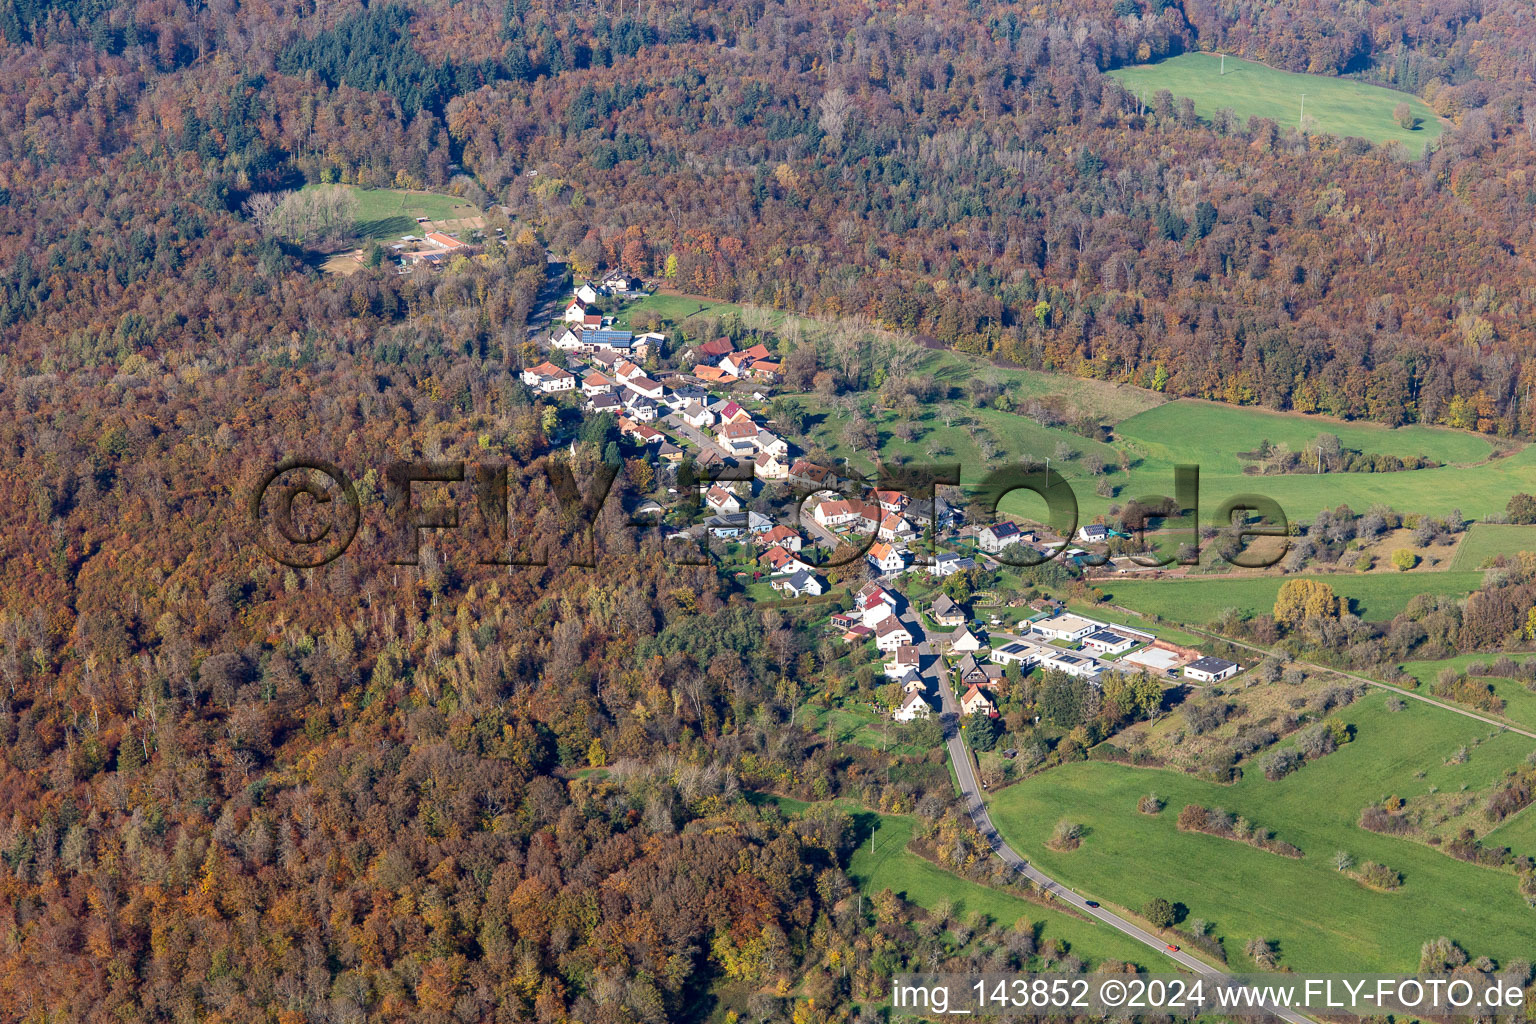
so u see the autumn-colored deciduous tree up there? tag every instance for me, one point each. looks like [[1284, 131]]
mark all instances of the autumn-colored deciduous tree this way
[[1300, 600]]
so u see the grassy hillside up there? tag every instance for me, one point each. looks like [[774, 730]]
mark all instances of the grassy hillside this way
[[1376, 597], [388, 213], [1485, 540], [1155, 434], [1336, 106], [1519, 703], [1210, 435], [1320, 918], [890, 866]]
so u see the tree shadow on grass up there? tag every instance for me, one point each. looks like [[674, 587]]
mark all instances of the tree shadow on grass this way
[[386, 227]]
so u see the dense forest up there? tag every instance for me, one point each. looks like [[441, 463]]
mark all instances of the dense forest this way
[[958, 170], [235, 792]]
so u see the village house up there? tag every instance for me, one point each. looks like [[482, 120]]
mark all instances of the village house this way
[[994, 538], [891, 634], [771, 443], [596, 383], [588, 293], [840, 512], [886, 558], [575, 312], [768, 466], [625, 370], [912, 708], [670, 453], [549, 378], [696, 416], [644, 386], [976, 701], [618, 282], [801, 584], [1069, 628], [714, 375], [809, 474], [640, 432], [1079, 665], [1026, 656], [947, 563], [606, 340], [1093, 533], [874, 602], [946, 612], [639, 407], [567, 339], [711, 352], [604, 403], [783, 536], [963, 641], [1108, 641], [857, 633], [731, 412], [905, 662], [682, 396], [1210, 670], [721, 500], [971, 672], [736, 363], [895, 502], [780, 562], [739, 438], [894, 528]]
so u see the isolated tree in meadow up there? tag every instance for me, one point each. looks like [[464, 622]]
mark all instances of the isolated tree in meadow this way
[[1404, 559], [1521, 509], [1403, 115], [1300, 600]]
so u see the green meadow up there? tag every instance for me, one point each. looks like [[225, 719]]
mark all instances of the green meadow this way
[[1519, 703], [889, 865], [1319, 918], [1154, 435], [1202, 599], [388, 213], [1209, 435], [1335, 106], [1485, 541], [1157, 436], [1518, 833]]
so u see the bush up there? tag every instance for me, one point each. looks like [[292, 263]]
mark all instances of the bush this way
[[1379, 876], [1193, 818], [1521, 510], [1150, 804], [1068, 835], [1280, 764], [1379, 819], [1404, 559]]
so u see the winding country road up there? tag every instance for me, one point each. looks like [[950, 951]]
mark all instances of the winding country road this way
[[970, 789]]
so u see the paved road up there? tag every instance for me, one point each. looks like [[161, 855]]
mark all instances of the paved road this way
[[701, 440], [970, 789]]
